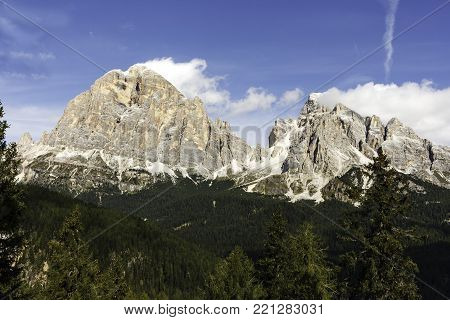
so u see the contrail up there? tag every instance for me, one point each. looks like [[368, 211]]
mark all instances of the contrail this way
[[388, 36]]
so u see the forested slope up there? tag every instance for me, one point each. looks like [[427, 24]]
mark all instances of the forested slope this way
[[171, 244]]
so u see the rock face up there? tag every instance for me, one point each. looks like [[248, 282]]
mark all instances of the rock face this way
[[132, 128], [324, 143], [129, 129]]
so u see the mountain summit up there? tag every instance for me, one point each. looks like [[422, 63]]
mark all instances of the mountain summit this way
[[132, 128], [128, 129], [324, 143]]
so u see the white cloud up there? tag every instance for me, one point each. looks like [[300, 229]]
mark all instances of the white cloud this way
[[128, 26], [290, 97], [418, 105], [192, 80], [388, 35], [255, 99], [6, 76]]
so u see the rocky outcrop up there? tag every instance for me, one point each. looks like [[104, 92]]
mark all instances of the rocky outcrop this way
[[132, 128], [324, 143], [129, 129]]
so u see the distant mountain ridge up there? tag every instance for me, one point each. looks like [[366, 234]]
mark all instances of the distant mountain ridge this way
[[133, 128], [323, 143]]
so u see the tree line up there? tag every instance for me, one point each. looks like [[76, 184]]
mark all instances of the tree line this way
[[294, 265], [373, 264]]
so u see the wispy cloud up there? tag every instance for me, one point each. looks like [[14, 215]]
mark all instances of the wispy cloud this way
[[23, 55], [388, 36], [127, 26]]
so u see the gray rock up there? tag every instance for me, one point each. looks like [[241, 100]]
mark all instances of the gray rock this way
[[325, 143], [133, 128], [128, 130]]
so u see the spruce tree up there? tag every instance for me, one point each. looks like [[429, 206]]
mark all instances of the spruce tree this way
[[71, 272], [113, 281], [376, 266], [11, 209], [307, 272], [271, 265], [234, 279], [295, 266]]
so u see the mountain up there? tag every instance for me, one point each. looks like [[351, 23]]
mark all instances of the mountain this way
[[133, 134], [324, 143], [133, 128], [128, 130]]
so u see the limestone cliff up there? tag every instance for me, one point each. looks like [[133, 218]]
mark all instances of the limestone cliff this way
[[132, 128], [324, 143], [129, 129]]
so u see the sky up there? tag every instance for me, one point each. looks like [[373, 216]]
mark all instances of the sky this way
[[250, 61]]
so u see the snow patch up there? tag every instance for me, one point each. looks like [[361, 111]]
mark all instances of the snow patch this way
[[235, 167], [158, 167]]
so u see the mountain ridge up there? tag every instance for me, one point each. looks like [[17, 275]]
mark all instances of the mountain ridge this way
[[326, 142], [133, 128]]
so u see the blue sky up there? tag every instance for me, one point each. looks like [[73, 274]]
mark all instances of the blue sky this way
[[274, 46]]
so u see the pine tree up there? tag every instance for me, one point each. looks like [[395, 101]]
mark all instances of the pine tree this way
[[11, 209], [72, 272], [271, 265], [308, 274], [234, 278], [114, 285], [295, 266], [376, 266]]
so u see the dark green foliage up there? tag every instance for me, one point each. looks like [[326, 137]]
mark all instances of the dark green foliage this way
[[10, 214], [312, 277], [155, 263], [241, 218], [295, 266], [71, 272], [113, 280], [164, 262], [221, 217], [433, 260], [376, 266], [234, 279], [273, 266]]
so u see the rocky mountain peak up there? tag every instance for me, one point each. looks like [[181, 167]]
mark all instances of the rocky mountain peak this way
[[396, 129], [340, 108], [25, 139], [324, 143], [222, 125], [312, 105], [133, 127], [129, 128]]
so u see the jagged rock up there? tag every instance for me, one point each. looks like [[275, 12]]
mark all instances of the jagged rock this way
[[325, 143], [25, 141], [132, 128], [374, 134], [129, 129]]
